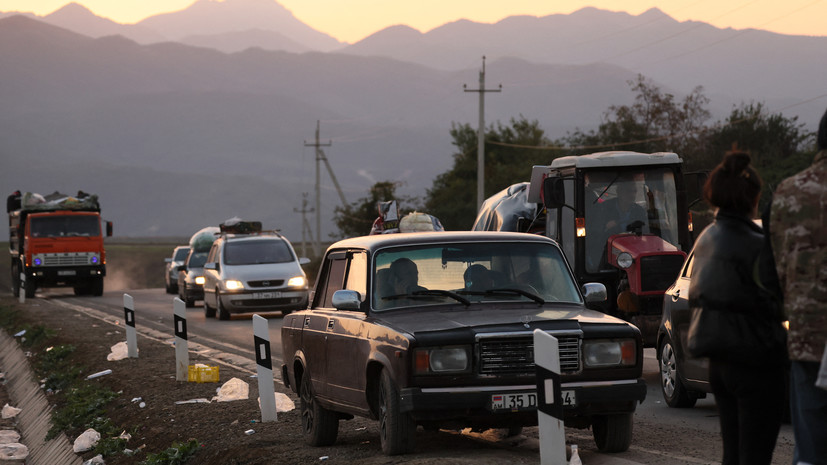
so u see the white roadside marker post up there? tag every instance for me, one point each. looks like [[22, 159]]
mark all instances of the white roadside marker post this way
[[264, 369], [182, 356], [22, 296], [129, 323], [549, 399]]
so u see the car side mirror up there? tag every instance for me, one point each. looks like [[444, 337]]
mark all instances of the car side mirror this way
[[167, 260], [554, 195], [109, 229], [346, 299], [211, 266], [304, 261], [594, 293]]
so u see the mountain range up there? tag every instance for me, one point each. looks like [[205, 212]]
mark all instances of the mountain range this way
[[189, 118]]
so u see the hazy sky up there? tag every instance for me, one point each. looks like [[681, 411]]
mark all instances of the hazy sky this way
[[353, 20]]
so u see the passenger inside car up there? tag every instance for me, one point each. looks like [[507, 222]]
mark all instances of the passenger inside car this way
[[404, 276], [478, 278]]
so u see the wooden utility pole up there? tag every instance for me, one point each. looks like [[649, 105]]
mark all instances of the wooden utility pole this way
[[320, 157], [307, 233], [481, 135]]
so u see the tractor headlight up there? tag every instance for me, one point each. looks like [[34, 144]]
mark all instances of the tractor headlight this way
[[625, 260]]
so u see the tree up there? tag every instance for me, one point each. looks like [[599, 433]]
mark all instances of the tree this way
[[779, 146], [510, 152], [655, 122], [357, 218]]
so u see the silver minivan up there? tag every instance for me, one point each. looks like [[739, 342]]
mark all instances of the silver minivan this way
[[257, 272]]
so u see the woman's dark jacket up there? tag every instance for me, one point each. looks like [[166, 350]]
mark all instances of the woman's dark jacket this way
[[728, 274]]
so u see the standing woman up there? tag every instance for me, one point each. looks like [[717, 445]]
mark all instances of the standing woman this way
[[747, 354]]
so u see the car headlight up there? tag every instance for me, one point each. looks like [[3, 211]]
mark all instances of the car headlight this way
[[442, 360], [625, 260], [199, 280], [296, 281], [233, 285], [604, 353]]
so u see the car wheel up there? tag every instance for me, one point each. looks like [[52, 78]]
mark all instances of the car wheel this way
[[320, 426], [674, 392], [96, 286], [29, 287], [209, 312], [396, 429], [223, 314], [612, 433]]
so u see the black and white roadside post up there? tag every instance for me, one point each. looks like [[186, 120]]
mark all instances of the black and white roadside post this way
[[264, 369], [22, 296], [129, 322], [549, 399], [182, 356]]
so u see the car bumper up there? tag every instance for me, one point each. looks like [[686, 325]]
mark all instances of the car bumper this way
[[592, 398], [264, 300]]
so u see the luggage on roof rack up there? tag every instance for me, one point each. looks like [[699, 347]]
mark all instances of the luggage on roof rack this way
[[240, 227]]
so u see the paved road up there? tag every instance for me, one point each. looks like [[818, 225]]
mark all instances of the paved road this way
[[662, 434]]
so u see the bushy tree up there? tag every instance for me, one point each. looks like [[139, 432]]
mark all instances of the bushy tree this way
[[510, 152]]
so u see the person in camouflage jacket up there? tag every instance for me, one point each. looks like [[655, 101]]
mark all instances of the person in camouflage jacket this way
[[799, 239]]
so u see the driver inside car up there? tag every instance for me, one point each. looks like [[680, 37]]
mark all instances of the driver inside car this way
[[404, 277], [478, 278]]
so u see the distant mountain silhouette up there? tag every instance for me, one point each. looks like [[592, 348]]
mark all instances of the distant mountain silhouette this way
[[208, 17], [78, 18]]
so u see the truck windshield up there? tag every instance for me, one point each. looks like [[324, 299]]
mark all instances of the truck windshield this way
[[65, 226], [642, 200], [256, 252], [466, 273]]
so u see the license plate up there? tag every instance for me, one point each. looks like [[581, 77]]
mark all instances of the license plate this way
[[524, 401], [65, 272], [266, 295]]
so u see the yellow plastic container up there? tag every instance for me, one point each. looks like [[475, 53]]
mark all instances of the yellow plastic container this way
[[202, 373]]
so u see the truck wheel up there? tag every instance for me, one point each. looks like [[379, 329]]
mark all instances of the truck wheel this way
[[15, 280], [96, 287], [674, 392], [209, 312], [320, 426], [397, 430], [613, 433], [223, 314], [31, 286]]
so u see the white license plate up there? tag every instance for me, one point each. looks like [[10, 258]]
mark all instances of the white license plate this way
[[526, 401], [523, 401], [66, 272], [266, 295]]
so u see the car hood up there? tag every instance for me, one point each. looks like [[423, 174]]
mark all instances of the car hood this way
[[420, 320], [263, 271]]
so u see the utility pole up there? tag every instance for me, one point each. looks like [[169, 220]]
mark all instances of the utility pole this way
[[481, 135], [307, 233], [320, 157]]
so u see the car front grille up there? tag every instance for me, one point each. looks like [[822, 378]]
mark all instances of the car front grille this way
[[266, 283], [66, 259], [267, 302], [658, 272], [515, 355]]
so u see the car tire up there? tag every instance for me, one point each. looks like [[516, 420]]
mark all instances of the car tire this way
[[209, 312], [320, 426], [29, 287], [613, 433], [397, 430], [674, 392], [223, 314], [96, 286]]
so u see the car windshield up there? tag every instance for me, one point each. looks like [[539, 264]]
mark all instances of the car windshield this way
[[467, 273], [63, 226], [257, 252], [642, 200], [197, 260], [180, 254]]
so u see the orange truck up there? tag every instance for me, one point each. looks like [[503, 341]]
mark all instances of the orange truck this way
[[56, 241]]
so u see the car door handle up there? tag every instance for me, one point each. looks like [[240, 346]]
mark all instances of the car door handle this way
[[676, 295], [331, 324], [307, 322]]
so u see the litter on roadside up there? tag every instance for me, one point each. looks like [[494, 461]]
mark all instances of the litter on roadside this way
[[13, 451], [120, 351], [200, 373], [96, 460], [234, 389], [9, 411], [20, 333], [283, 403], [86, 441], [193, 401], [9, 436], [99, 374]]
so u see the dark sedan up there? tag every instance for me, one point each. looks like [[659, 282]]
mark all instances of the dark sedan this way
[[436, 329]]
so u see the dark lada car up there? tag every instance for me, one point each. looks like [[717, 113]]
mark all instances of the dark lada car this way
[[436, 329]]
